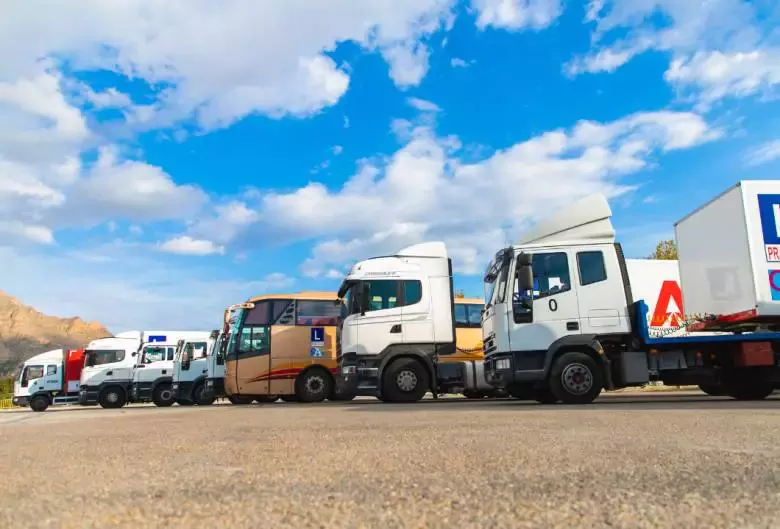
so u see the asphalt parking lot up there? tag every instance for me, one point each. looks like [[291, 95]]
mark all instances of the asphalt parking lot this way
[[666, 460]]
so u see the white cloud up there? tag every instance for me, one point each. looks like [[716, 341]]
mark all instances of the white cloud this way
[[421, 191], [714, 44], [110, 98], [186, 245], [17, 231], [216, 61], [422, 105], [764, 153], [716, 75], [336, 150], [127, 289], [457, 62], [517, 14]]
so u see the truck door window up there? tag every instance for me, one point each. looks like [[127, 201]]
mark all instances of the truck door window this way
[[551, 274], [31, 373], [591, 267], [382, 294], [51, 370], [412, 292], [199, 350], [153, 354]]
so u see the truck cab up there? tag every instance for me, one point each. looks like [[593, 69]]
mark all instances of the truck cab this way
[[190, 370], [48, 378], [154, 369], [215, 368], [108, 369], [399, 319]]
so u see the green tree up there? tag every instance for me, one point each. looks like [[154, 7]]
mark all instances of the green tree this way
[[665, 250]]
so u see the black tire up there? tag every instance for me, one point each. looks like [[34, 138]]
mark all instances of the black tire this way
[[112, 397], [39, 403], [747, 389], [266, 399], [182, 402], [545, 396], [239, 401], [575, 378], [163, 396], [202, 397], [313, 385], [713, 390], [405, 380], [473, 394]]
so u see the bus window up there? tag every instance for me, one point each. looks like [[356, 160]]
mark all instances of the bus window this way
[[475, 315], [461, 315], [320, 313], [284, 312], [254, 340]]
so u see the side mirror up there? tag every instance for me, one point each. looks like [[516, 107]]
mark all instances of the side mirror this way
[[524, 259], [363, 294], [525, 278], [220, 359]]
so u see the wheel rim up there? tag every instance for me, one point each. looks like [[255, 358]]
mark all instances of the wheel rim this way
[[577, 379], [166, 394], [113, 398], [406, 380], [314, 384]]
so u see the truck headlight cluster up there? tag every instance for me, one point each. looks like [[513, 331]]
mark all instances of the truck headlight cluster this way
[[502, 363]]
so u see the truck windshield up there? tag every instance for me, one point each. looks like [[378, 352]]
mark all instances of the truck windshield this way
[[496, 275], [96, 357]]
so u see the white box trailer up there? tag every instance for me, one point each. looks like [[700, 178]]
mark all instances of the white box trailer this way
[[729, 255]]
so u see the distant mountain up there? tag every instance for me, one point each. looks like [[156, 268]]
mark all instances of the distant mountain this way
[[25, 332]]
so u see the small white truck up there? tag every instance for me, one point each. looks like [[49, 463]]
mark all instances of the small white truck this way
[[48, 379], [134, 366]]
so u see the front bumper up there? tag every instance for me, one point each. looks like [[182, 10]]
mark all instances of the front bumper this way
[[88, 395], [499, 370], [21, 401], [182, 390], [358, 376]]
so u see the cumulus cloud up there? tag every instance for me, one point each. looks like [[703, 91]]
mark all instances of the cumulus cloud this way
[[426, 190], [517, 14], [186, 245], [718, 48]]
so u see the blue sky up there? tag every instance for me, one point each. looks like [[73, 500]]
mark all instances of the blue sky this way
[[160, 160]]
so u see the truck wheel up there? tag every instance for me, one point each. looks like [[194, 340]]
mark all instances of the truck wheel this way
[[234, 399], [112, 398], [163, 396], [203, 397], [747, 389], [314, 385], [545, 396], [575, 379], [39, 403], [713, 390], [404, 380]]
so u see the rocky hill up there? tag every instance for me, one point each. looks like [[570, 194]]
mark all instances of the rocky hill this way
[[25, 332]]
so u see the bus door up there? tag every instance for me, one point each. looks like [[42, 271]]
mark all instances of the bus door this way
[[253, 351]]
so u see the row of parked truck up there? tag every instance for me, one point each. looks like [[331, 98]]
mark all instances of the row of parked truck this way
[[565, 316]]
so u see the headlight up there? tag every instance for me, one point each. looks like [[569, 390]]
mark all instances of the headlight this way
[[502, 363], [175, 386], [349, 370], [209, 383]]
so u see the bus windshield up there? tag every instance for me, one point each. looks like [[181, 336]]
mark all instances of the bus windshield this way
[[234, 323]]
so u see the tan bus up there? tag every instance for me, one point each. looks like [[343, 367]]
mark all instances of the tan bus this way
[[283, 346]]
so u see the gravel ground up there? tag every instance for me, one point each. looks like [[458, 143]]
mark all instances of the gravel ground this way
[[626, 461]]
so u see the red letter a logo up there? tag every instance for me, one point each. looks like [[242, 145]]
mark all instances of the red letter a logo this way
[[670, 291]]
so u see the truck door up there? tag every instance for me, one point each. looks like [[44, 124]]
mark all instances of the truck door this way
[[153, 364], [537, 319], [600, 292]]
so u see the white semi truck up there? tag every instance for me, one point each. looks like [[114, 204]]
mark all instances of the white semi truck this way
[[373, 336], [561, 321], [134, 366], [191, 371]]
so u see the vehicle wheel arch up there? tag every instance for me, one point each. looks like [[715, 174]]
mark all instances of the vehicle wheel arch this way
[[577, 343], [318, 368], [414, 354]]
